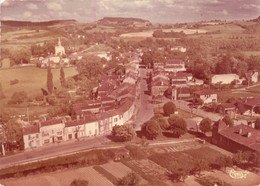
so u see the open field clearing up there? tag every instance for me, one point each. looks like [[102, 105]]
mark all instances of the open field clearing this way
[[31, 79], [60, 178], [150, 33]]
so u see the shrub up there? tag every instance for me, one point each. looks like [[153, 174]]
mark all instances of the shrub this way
[[169, 108], [129, 180], [177, 125]]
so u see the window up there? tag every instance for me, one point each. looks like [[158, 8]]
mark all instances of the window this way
[[59, 133], [29, 137], [90, 132], [115, 120], [47, 141], [37, 135]]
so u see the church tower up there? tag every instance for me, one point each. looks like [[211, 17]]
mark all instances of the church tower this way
[[59, 49]]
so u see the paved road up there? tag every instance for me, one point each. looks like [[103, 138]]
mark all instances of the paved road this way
[[52, 150], [145, 111]]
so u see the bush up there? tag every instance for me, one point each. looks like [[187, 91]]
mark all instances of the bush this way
[[13, 82], [169, 108], [129, 180]]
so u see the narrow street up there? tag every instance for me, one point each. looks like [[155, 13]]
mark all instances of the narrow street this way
[[145, 107]]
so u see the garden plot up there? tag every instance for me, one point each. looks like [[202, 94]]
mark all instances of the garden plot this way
[[151, 169], [118, 169]]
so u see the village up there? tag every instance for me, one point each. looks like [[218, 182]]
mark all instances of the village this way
[[165, 109]]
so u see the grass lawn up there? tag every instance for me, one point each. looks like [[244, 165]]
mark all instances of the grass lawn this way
[[31, 79]]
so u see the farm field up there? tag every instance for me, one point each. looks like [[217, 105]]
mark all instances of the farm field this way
[[223, 96], [150, 33], [31, 79]]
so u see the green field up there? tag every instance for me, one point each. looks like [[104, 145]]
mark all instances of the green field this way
[[31, 79]]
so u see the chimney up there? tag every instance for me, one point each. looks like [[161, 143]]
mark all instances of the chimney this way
[[249, 134], [240, 131]]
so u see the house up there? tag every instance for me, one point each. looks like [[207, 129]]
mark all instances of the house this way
[[207, 95], [248, 106], [52, 130], [174, 66], [252, 75], [159, 86], [235, 138], [227, 109], [31, 137], [225, 78]]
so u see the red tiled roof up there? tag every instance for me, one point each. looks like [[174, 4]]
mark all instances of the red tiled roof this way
[[252, 141], [227, 105], [31, 130], [51, 122], [204, 92]]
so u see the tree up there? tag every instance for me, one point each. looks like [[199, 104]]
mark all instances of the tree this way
[[177, 125], [129, 180], [21, 56], [2, 96], [229, 122], [18, 97], [79, 182], [13, 133], [169, 108], [205, 125], [71, 83], [90, 66], [124, 132], [49, 80], [151, 129], [224, 66], [62, 78]]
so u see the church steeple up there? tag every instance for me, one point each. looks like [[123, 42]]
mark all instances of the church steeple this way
[[59, 43]]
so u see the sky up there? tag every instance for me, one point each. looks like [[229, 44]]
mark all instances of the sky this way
[[157, 11]]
